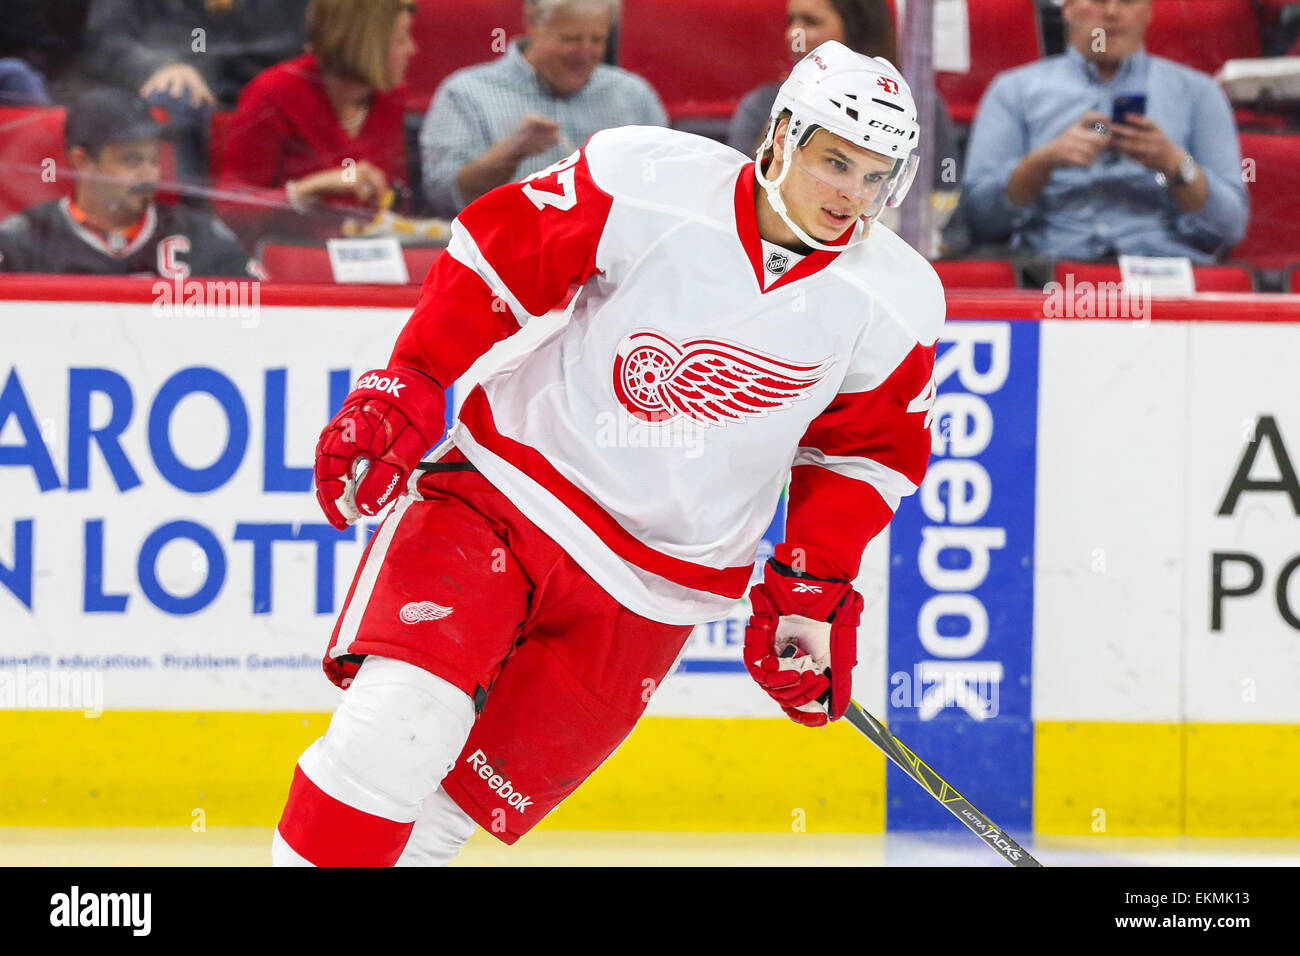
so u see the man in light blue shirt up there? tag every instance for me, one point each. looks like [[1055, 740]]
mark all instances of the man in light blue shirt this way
[[496, 123], [1048, 167]]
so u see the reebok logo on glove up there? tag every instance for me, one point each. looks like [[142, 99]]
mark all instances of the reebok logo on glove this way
[[380, 383]]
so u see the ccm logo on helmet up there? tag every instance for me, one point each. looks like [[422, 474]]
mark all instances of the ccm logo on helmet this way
[[497, 783], [885, 127], [381, 383]]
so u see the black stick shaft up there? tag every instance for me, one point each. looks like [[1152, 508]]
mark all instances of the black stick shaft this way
[[916, 768]]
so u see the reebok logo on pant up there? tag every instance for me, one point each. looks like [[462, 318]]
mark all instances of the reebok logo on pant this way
[[496, 783]]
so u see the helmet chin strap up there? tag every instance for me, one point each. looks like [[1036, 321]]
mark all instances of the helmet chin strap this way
[[777, 201]]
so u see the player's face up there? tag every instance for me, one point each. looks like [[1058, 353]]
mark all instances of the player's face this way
[[566, 49], [124, 177], [833, 182], [1107, 31], [401, 49], [809, 24]]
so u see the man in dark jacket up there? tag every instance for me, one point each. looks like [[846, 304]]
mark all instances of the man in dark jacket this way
[[111, 225]]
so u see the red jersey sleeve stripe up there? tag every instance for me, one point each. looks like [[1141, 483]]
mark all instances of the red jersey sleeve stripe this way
[[476, 415]]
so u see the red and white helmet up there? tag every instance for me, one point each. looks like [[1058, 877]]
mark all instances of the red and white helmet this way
[[863, 99]]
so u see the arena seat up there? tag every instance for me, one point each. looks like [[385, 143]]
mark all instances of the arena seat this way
[[29, 135], [451, 37], [976, 274], [218, 133], [702, 56], [1003, 35], [1204, 33], [1225, 278], [311, 264], [1273, 235]]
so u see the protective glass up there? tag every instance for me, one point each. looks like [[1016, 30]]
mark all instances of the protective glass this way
[[878, 187]]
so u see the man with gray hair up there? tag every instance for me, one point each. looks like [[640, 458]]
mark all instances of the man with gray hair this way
[[497, 122]]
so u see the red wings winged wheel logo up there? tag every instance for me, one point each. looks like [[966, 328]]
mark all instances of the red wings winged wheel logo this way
[[709, 380]]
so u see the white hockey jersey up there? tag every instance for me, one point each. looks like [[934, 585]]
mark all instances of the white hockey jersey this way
[[652, 434]]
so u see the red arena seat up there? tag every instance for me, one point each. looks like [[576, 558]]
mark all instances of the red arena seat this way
[[451, 37], [218, 132], [976, 274], [1270, 163], [1003, 35], [702, 57], [29, 136], [1227, 278], [1204, 33]]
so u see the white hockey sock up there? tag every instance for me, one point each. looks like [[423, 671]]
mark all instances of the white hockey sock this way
[[439, 833]]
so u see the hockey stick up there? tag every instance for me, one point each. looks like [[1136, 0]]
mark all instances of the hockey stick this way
[[918, 770]]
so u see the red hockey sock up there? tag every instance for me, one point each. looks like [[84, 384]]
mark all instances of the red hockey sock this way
[[328, 832]]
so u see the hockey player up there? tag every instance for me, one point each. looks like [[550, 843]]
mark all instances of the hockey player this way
[[533, 581], [111, 224]]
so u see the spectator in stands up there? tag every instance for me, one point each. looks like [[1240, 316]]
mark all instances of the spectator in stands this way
[[111, 225], [21, 84], [497, 122], [1048, 167], [319, 138], [866, 26], [189, 56]]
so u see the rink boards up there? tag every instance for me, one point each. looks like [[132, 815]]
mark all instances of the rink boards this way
[[1087, 620]]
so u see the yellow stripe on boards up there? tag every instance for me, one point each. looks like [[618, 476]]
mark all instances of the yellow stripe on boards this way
[[1131, 779], [158, 768], [1243, 780], [674, 774], [1119, 779], [702, 774], [138, 768]]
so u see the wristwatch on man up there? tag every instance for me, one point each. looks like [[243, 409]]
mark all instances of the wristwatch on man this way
[[1184, 173]]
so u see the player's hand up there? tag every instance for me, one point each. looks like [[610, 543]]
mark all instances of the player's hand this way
[[365, 181], [181, 81], [1141, 139], [364, 456], [535, 134], [1081, 144], [801, 644]]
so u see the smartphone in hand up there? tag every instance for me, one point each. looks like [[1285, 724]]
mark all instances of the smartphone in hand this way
[[1126, 104]]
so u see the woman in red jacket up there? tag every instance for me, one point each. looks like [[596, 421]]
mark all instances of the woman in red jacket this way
[[319, 137]]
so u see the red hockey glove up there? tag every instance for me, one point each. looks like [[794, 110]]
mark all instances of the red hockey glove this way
[[802, 642], [364, 456]]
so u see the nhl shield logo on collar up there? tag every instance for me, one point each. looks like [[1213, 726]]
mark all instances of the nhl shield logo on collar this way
[[777, 263]]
